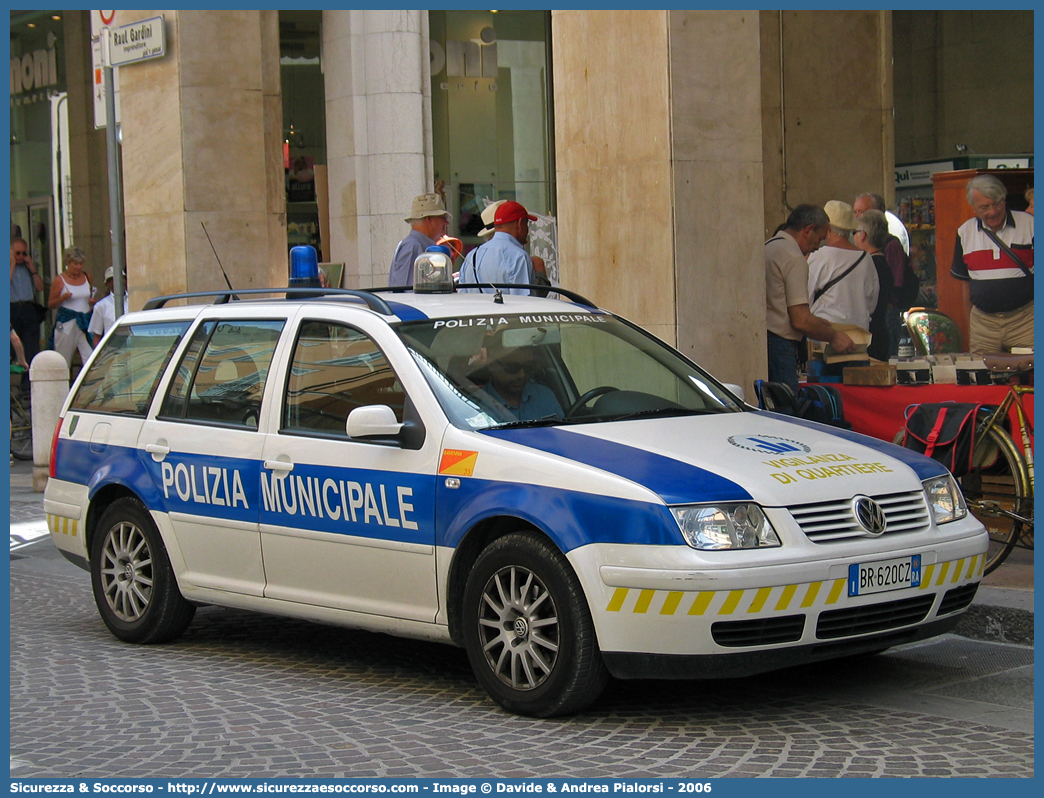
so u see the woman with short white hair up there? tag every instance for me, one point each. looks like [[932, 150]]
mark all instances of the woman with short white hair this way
[[72, 294]]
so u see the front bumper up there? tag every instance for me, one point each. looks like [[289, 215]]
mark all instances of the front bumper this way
[[657, 619], [631, 665]]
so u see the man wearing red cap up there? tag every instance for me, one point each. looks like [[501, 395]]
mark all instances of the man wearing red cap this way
[[503, 258]]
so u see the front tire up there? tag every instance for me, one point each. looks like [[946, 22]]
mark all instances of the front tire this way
[[134, 586], [528, 630]]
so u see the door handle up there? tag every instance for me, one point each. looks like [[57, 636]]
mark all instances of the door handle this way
[[279, 465], [157, 450]]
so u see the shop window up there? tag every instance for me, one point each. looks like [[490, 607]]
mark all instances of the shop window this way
[[304, 123], [491, 111]]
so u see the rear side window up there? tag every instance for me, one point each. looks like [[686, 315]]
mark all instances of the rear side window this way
[[123, 377], [222, 375], [335, 370]]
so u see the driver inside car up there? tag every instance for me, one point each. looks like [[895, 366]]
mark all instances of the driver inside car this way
[[511, 384]]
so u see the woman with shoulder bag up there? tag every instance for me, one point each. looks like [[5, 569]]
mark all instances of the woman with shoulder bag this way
[[73, 295]]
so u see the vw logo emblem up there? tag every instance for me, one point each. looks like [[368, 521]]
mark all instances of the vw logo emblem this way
[[521, 627], [869, 515]]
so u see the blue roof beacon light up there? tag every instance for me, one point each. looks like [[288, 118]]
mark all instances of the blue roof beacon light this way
[[433, 271], [304, 267], [304, 271]]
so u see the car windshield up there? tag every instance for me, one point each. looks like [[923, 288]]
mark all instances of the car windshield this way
[[569, 368]]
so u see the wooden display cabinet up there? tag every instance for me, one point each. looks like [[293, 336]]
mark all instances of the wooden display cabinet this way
[[952, 210]]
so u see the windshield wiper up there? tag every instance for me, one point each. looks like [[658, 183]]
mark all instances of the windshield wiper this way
[[546, 421], [661, 412]]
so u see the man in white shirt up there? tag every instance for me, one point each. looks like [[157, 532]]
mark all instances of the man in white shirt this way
[[842, 278], [104, 315]]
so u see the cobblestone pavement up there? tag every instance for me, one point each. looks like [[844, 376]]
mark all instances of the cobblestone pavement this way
[[248, 695]]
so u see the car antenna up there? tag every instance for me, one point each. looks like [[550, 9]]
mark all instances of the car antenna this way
[[223, 274]]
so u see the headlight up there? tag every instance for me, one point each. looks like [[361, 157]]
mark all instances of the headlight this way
[[945, 499], [725, 526]]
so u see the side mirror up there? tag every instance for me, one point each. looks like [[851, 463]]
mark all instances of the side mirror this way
[[373, 421], [736, 390]]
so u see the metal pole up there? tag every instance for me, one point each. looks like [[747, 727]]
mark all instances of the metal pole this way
[[111, 148]]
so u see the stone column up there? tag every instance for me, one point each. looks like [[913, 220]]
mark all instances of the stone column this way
[[202, 143], [378, 121], [828, 109], [658, 149], [613, 156], [718, 205]]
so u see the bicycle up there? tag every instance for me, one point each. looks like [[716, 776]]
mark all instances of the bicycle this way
[[998, 487], [21, 419]]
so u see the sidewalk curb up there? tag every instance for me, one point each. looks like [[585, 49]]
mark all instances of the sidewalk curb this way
[[1000, 615]]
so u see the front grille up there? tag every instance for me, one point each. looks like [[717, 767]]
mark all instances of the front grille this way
[[825, 522], [760, 632], [873, 617], [957, 599]]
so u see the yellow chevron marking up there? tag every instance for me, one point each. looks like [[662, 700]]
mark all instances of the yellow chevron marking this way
[[759, 599], [731, 602], [786, 597], [835, 591], [700, 603], [810, 594], [942, 573], [616, 602], [644, 599], [971, 566], [670, 604], [62, 525], [926, 577]]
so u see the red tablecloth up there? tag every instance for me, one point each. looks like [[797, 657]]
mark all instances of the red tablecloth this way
[[879, 412]]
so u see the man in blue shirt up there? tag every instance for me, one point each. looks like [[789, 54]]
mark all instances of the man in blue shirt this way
[[502, 259], [511, 386], [25, 282], [429, 220]]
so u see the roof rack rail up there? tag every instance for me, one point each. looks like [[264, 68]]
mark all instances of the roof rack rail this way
[[580, 299], [223, 295]]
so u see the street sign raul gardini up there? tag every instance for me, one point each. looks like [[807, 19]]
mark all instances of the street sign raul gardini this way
[[138, 41]]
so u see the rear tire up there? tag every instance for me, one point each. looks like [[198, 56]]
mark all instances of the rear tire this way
[[134, 586], [528, 630]]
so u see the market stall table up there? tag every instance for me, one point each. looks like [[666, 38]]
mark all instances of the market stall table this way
[[879, 411]]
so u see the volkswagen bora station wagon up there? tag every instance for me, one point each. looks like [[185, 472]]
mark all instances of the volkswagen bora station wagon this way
[[536, 480]]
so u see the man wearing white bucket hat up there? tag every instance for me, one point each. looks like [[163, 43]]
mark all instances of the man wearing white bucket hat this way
[[429, 220], [842, 278]]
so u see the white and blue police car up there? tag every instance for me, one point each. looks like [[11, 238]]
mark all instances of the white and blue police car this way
[[536, 480]]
